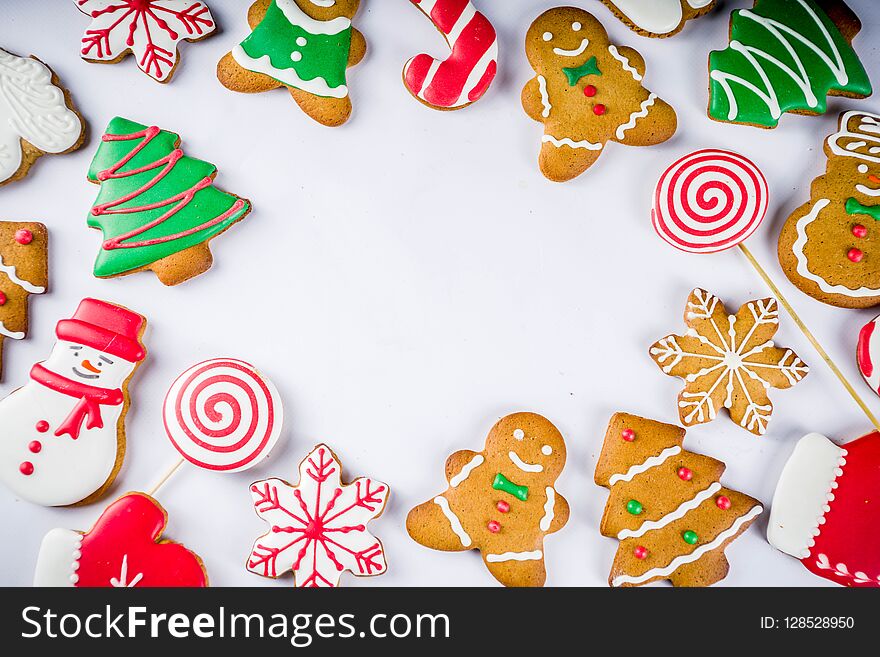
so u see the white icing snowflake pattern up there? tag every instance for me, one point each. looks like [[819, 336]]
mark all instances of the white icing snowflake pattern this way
[[728, 361], [318, 528], [150, 29]]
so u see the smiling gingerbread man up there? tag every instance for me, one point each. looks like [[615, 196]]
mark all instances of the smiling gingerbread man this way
[[501, 501], [587, 92]]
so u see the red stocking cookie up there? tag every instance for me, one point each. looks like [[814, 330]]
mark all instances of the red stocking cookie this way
[[466, 74], [123, 549], [501, 501]]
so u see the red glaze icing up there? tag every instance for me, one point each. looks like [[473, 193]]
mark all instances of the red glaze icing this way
[[722, 502], [640, 552], [494, 526], [502, 506], [26, 468], [685, 474], [24, 236], [628, 435], [42, 426], [590, 91], [859, 231], [599, 109], [35, 446], [855, 255]]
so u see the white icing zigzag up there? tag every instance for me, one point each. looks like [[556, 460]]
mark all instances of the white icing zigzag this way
[[9, 270], [640, 113], [624, 62]]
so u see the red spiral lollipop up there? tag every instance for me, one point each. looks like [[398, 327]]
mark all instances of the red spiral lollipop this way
[[709, 201], [223, 415]]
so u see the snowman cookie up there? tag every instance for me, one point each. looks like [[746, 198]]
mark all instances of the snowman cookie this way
[[587, 92], [304, 45], [658, 18], [501, 501], [62, 435]]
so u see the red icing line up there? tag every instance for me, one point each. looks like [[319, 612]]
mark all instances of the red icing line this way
[[863, 351]]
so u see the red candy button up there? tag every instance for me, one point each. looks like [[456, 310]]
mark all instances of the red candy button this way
[[24, 236], [722, 502], [35, 446], [628, 435], [494, 526], [859, 231], [590, 91], [640, 552], [2, 299], [685, 474], [42, 426], [855, 255], [26, 468], [599, 109], [502, 506]]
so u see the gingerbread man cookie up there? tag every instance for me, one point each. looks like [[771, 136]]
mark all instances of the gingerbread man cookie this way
[[501, 501], [658, 18], [587, 92], [826, 247], [304, 45]]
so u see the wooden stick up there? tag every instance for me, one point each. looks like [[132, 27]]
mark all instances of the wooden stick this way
[[165, 477], [809, 335]]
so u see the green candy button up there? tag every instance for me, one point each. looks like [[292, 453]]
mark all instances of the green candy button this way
[[634, 507], [690, 537]]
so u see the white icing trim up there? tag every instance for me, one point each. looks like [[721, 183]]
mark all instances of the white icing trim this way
[[680, 512], [296, 16], [803, 266], [454, 522], [122, 582], [15, 335], [549, 509], [329, 3], [288, 76], [58, 559], [684, 559], [858, 577], [515, 556], [565, 141], [647, 464], [864, 134], [624, 61], [9, 270], [465, 472], [545, 98], [522, 465], [640, 113], [575, 52]]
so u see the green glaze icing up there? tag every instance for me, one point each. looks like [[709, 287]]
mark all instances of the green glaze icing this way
[[574, 75], [154, 201], [504, 484], [853, 206], [768, 68]]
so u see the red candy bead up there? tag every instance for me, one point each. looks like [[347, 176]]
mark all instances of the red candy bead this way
[[722, 502], [26, 468], [502, 506], [35, 446], [599, 109], [685, 474], [24, 236], [628, 435], [855, 255], [2, 299], [494, 526], [42, 426], [859, 231], [590, 91], [640, 552]]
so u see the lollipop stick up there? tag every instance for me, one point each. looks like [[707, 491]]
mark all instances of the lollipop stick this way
[[808, 334], [165, 477]]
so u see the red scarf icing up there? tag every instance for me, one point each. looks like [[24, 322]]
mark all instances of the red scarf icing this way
[[87, 409]]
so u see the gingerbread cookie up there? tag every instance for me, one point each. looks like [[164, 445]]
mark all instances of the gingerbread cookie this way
[[37, 116], [826, 247], [62, 435], [158, 208], [304, 45], [318, 528], [728, 361], [785, 56], [672, 517], [826, 509], [148, 29], [123, 550], [24, 270], [466, 74], [587, 92], [658, 18], [501, 501]]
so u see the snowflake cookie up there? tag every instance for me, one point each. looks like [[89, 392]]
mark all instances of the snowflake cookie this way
[[728, 361], [318, 528], [148, 29]]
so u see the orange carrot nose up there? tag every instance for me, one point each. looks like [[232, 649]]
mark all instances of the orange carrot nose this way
[[874, 179], [90, 367]]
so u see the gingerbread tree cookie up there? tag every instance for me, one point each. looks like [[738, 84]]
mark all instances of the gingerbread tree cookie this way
[[157, 208], [24, 270], [658, 18], [728, 361], [587, 92], [826, 246], [672, 517], [785, 56], [501, 501], [304, 45]]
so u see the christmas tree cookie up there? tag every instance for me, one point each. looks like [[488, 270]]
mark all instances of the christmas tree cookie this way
[[672, 517], [587, 92], [826, 246], [24, 270], [157, 208], [501, 501], [304, 45], [785, 56]]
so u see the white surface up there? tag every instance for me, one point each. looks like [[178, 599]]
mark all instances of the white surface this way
[[407, 279]]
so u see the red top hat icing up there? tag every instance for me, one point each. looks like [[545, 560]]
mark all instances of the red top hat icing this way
[[106, 327]]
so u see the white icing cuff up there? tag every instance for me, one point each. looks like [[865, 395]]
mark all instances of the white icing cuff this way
[[803, 494], [59, 558]]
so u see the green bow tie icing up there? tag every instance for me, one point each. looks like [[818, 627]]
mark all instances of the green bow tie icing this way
[[574, 75], [854, 207], [504, 484]]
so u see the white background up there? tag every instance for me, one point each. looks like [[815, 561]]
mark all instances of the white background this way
[[411, 277]]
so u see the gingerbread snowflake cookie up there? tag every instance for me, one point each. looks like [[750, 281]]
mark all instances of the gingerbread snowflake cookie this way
[[303, 45], [501, 501], [319, 526], [658, 18], [37, 116], [587, 92], [728, 361], [148, 29], [826, 247], [667, 508]]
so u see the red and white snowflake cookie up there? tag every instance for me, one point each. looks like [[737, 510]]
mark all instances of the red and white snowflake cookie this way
[[148, 29], [318, 528]]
